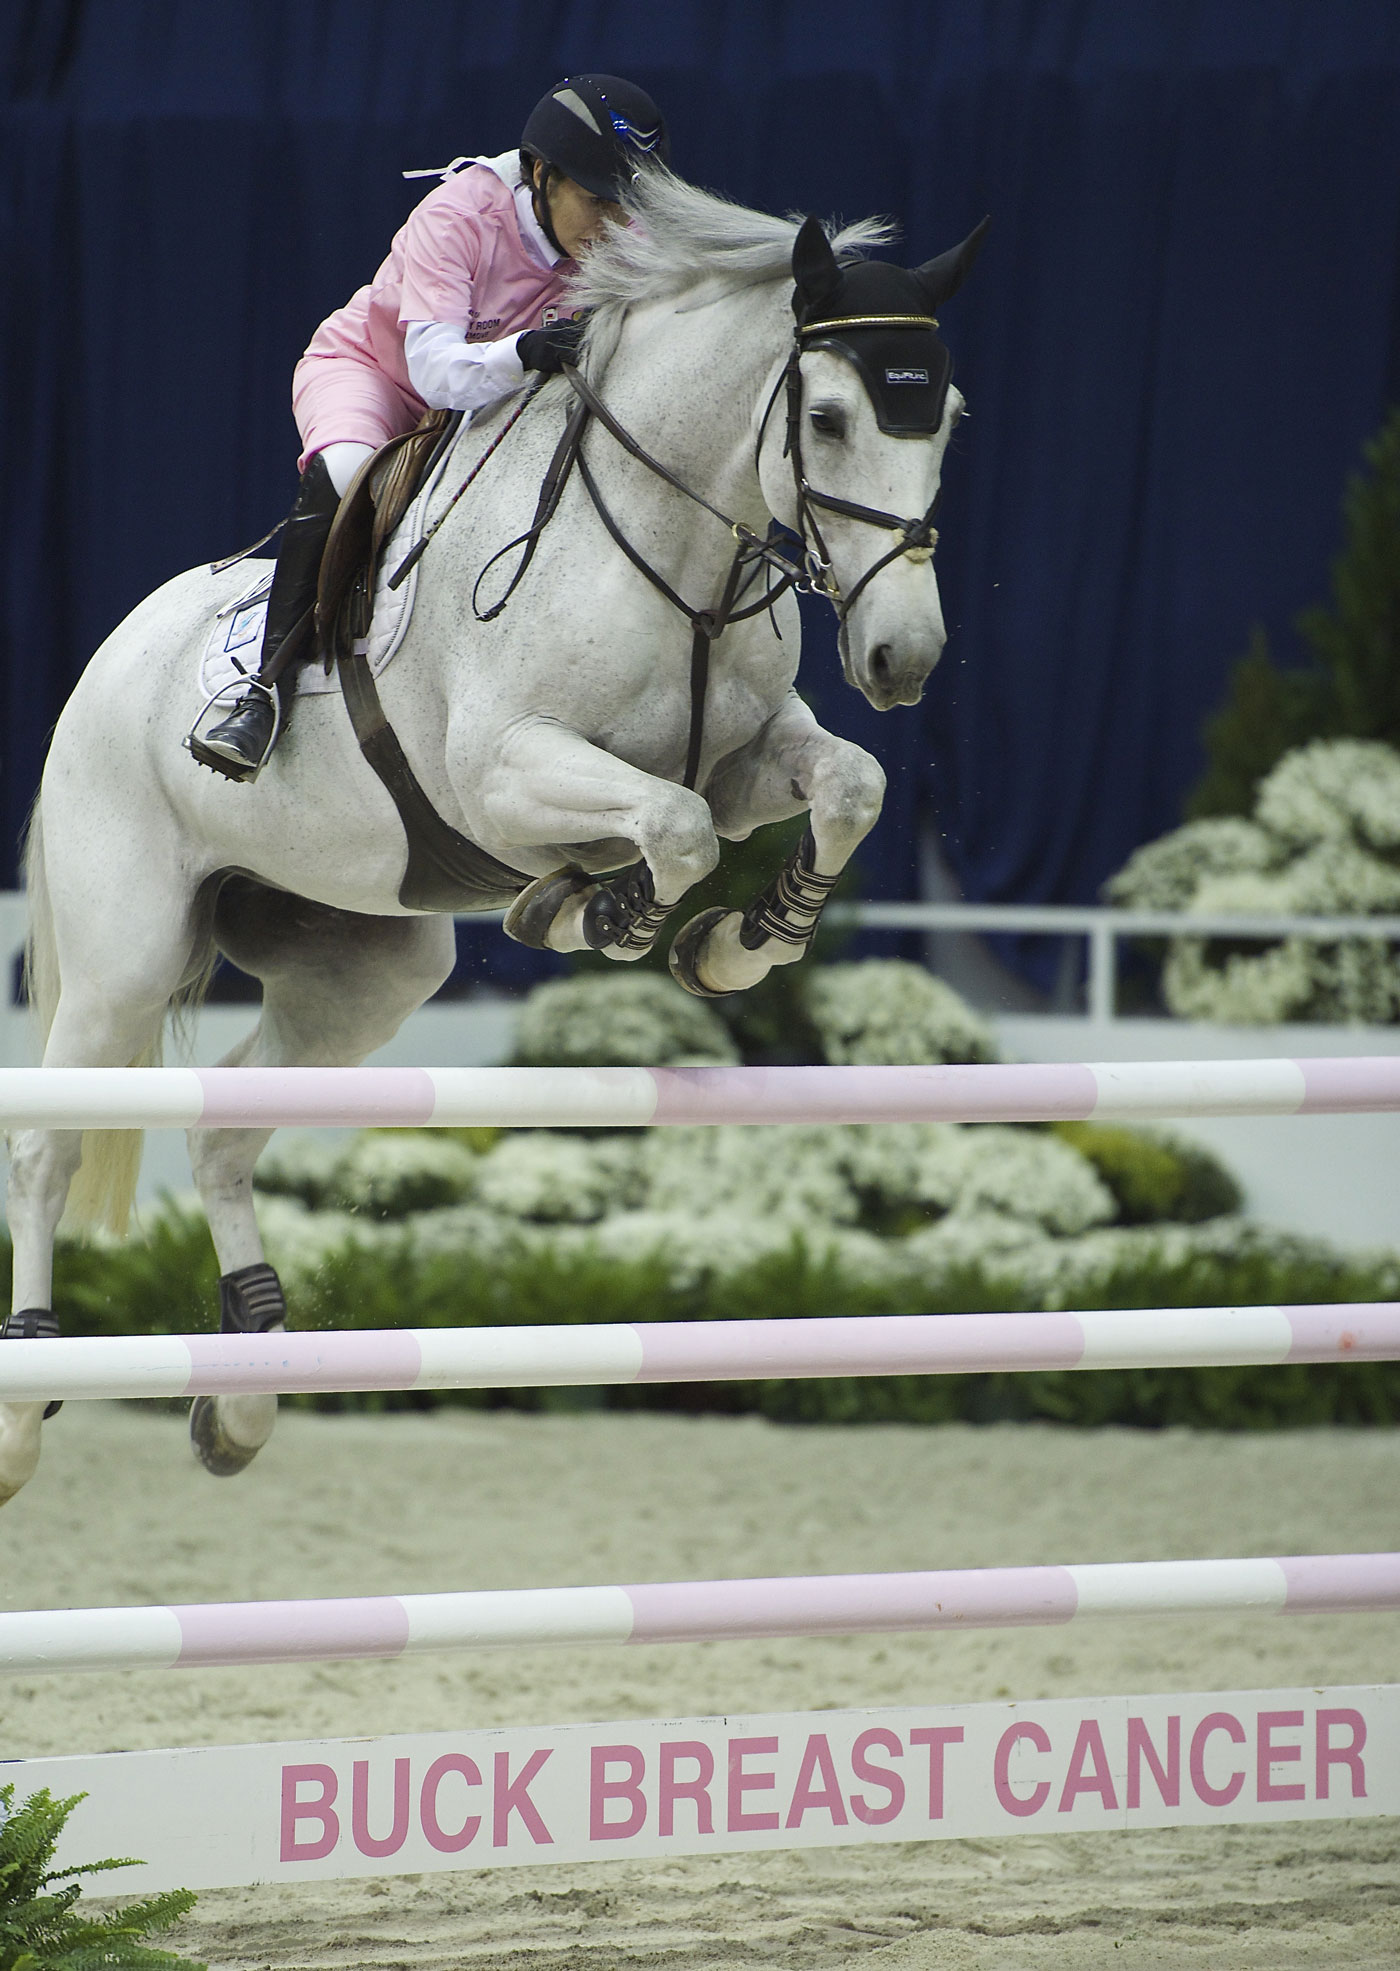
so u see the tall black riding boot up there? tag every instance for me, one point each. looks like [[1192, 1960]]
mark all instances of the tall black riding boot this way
[[240, 744]]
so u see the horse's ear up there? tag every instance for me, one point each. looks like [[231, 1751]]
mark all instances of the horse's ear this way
[[942, 277], [814, 268]]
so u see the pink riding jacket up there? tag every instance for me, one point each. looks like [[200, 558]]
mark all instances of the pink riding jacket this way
[[471, 257]]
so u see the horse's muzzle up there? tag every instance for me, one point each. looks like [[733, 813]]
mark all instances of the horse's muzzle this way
[[891, 674]]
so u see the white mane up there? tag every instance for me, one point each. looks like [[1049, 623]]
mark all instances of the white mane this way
[[685, 236]]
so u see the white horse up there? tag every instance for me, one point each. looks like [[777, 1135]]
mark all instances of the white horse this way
[[556, 734]]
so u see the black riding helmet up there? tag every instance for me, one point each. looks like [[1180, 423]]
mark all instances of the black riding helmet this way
[[597, 130]]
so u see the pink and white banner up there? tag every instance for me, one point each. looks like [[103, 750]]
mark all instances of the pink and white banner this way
[[332, 1808]]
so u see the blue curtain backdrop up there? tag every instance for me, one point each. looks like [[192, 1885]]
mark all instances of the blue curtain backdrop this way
[[1183, 327]]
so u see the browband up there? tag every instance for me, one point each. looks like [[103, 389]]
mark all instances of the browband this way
[[867, 322]]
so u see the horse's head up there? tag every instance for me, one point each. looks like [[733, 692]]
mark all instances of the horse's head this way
[[869, 408]]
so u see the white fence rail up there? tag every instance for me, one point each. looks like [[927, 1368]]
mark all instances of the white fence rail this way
[[1102, 929]]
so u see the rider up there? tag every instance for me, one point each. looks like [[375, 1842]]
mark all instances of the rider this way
[[467, 301]]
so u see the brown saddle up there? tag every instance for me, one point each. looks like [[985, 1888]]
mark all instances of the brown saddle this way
[[378, 497], [445, 871]]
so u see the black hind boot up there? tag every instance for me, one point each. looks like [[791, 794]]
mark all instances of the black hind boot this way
[[241, 744]]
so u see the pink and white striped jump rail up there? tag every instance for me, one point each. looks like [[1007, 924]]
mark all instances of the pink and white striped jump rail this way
[[689, 1611], [694, 1351], [563, 1098]]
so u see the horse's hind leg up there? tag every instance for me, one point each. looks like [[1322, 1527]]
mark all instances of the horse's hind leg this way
[[119, 963], [42, 1167], [335, 987]]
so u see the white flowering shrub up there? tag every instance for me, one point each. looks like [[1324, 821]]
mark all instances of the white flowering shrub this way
[[630, 1019], [970, 1172], [1166, 874], [1341, 876], [887, 1013], [718, 1246], [384, 1173], [557, 1176], [903, 1166], [1031, 1177], [795, 1173], [389, 1172], [840, 1174], [1324, 841], [1263, 987], [1064, 1273], [297, 1166], [1334, 790], [993, 1240], [472, 1229]]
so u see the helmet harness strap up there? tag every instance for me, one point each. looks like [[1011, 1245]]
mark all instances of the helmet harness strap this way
[[539, 200]]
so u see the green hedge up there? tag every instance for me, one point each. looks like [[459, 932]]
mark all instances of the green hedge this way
[[1155, 1179], [167, 1284]]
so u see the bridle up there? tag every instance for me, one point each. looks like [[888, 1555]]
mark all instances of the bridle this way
[[917, 538], [811, 575]]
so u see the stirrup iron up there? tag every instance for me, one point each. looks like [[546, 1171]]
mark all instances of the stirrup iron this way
[[238, 771]]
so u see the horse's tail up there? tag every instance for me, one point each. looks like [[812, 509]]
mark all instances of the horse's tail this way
[[104, 1188]]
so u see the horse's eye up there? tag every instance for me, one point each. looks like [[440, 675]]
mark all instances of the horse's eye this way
[[829, 421]]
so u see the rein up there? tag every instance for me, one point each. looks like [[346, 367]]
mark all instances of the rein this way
[[813, 575], [420, 548], [706, 625]]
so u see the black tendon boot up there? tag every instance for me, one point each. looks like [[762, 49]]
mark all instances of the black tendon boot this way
[[240, 744]]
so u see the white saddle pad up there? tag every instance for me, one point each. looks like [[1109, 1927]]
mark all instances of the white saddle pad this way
[[234, 644]]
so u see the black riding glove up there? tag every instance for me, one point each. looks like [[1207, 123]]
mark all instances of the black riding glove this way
[[548, 349]]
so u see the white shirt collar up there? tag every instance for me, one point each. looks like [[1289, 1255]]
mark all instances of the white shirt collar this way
[[507, 169]]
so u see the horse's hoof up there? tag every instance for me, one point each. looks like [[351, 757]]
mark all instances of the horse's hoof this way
[[220, 1451], [531, 917], [685, 953], [19, 1447]]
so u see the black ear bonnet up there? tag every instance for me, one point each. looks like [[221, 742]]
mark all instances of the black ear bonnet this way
[[881, 318]]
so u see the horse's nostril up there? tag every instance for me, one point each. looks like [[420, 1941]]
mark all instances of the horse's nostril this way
[[880, 664]]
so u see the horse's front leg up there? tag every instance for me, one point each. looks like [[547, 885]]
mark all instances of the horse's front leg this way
[[790, 765], [548, 785]]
